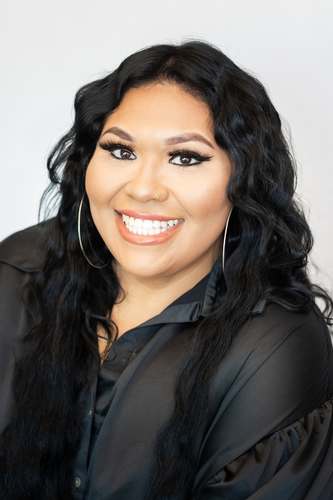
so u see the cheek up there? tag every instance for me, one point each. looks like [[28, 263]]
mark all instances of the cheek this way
[[99, 187], [92, 182], [209, 202]]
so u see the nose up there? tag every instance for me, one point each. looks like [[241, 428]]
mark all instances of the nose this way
[[146, 183]]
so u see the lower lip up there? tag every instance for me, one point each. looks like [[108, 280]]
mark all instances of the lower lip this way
[[141, 239]]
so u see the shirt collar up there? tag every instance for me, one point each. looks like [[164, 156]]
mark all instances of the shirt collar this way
[[197, 302]]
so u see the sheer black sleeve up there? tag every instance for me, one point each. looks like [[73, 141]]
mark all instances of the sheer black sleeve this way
[[271, 438]]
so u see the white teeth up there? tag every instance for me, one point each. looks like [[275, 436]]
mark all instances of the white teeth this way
[[148, 223], [138, 223], [146, 226]]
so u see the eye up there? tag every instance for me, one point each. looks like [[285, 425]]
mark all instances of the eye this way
[[187, 158], [184, 160], [118, 151], [122, 154]]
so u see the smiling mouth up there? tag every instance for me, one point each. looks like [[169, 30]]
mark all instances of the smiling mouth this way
[[148, 227]]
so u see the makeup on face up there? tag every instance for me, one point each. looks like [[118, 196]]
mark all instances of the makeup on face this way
[[146, 228], [157, 183]]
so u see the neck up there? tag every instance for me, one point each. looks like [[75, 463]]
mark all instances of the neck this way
[[146, 297]]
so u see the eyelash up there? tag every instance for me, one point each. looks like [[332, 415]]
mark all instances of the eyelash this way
[[113, 146], [191, 154]]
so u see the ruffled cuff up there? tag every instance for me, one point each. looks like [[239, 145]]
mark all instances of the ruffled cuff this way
[[294, 463]]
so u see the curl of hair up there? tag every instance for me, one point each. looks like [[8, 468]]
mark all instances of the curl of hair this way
[[267, 251]]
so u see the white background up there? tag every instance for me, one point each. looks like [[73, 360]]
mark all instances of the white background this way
[[51, 48]]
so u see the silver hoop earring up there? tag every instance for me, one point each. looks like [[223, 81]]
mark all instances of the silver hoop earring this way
[[225, 238], [79, 235]]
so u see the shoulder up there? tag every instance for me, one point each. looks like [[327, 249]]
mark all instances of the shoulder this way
[[21, 255], [23, 250], [279, 367], [287, 349], [267, 332], [277, 370]]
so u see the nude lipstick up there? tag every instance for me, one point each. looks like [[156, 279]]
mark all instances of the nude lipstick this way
[[144, 228]]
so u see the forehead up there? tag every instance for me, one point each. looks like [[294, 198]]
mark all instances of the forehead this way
[[162, 105]]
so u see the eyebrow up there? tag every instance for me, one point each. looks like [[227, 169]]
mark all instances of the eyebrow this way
[[171, 141], [178, 139], [120, 133]]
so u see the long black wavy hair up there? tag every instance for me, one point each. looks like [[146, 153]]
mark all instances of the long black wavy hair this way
[[267, 251]]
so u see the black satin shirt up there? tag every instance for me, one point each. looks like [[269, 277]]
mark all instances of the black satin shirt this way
[[268, 431]]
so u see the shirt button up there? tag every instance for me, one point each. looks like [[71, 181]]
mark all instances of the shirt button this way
[[77, 482], [90, 412]]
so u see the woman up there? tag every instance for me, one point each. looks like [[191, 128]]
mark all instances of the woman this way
[[159, 336]]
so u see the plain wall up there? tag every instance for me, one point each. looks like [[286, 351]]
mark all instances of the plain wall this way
[[50, 49]]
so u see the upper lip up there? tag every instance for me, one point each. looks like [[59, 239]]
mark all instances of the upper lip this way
[[145, 215]]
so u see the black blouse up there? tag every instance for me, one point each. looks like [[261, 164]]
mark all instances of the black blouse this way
[[268, 432]]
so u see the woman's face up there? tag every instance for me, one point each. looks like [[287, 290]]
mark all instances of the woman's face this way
[[157, 184]]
